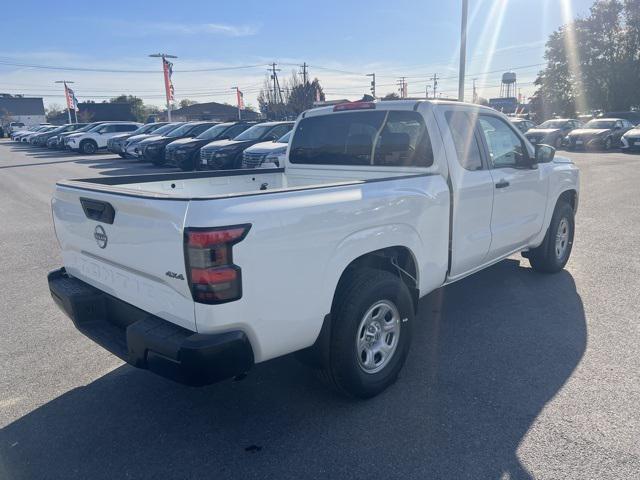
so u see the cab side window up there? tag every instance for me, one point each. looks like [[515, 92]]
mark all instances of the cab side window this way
[[506, 149], [461, 126], [403, 142]]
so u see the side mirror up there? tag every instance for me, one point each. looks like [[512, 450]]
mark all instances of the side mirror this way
[[544, 153]]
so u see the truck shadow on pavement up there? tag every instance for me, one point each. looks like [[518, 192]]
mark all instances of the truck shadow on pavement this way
[[489, 352]]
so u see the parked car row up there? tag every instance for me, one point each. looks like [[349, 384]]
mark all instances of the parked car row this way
[[207, 145], [202, 145], [572, 134]]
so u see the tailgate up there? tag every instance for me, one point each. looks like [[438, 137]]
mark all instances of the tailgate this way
[[129, 247]]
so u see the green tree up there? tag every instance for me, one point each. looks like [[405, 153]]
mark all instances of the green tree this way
[[391, 96], [137, 105], [186, 103], [592, 63]]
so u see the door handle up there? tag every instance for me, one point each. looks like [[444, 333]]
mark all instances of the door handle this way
[[502, 184]]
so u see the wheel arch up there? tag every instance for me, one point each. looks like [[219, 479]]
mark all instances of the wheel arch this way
[[385, 258]]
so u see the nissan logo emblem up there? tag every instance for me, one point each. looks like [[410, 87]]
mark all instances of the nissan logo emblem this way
[[101, 236]]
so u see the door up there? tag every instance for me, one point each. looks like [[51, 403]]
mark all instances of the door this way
[[520, 191], [472, 190]]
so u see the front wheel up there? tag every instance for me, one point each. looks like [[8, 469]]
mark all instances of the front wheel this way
[[558, 143], [88, 147], [370, 334], [553, 254], [608, 143]]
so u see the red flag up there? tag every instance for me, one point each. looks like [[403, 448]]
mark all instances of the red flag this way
[[168, 84], [69, 96], [240, 98]]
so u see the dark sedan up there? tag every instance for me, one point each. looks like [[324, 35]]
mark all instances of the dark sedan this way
[[116, 144], [184, 153], [602, 133], [153, 148], [227, 154], [552, 132], [42, 138]]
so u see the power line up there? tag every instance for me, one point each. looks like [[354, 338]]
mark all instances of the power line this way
[[115, 70]]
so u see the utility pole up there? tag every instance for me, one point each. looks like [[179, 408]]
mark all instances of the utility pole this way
[[66, 97], [373, 83], [475, 91], [435, 84], [277, 93], [426, 92], [304, 67], [402, 87], [463, 50], [167, 80]]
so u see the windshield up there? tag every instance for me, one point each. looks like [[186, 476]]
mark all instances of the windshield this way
[[213, 132], [254, 133], [601, 124], [95, 127], [553, 124], [180, 131], [285, 138], [148, 128], [166, 128], [86, 128]]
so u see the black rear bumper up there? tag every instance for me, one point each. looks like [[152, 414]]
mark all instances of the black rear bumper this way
[[149, 342]]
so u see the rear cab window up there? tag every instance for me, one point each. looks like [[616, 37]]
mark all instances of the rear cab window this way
[[381, 138]]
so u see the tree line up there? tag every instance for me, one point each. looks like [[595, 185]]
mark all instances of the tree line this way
[[593, 63]]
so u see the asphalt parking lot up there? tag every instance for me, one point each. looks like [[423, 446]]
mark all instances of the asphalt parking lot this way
[[512, 374]]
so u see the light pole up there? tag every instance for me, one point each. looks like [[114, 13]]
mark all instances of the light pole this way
[[237, 90], [463, 49], [66, 96], [167, 79]]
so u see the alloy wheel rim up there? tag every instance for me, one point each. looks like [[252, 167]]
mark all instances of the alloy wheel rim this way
[[562, 238], [377, 336]]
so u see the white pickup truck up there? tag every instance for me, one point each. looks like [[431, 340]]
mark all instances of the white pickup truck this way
[[197, 276]]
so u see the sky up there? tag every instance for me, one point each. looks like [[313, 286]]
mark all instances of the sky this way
[[233, 42]]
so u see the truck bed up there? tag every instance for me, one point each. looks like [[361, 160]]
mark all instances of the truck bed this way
[[225, 184]]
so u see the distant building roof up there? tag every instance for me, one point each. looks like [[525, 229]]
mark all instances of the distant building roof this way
[[213, 111], [21, 105]]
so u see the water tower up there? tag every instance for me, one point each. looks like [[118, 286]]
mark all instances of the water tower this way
[[509, 86]]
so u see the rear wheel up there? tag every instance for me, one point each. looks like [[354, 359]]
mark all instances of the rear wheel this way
[[554, 252], [88, 147], [370, 333]]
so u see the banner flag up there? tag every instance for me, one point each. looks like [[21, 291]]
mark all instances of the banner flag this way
[[68, 95], [240, 98], [168, 84]]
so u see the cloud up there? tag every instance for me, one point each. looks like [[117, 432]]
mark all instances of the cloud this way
[[175, 28]]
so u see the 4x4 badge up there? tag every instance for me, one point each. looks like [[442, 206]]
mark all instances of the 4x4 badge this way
[[177, 276]]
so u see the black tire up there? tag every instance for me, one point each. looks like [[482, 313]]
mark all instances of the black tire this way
[[608, 143], [558, 143], [357, 295], [188, 165], [88, 147], [159, 160], [545, 258]]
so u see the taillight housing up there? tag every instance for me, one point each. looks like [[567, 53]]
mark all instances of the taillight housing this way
[[213, 277]]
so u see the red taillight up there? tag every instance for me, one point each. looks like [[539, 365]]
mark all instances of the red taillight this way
[[342, 107], [209, 255]]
